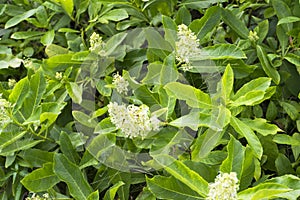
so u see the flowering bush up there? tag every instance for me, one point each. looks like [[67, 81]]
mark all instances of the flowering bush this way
[[156, 99]]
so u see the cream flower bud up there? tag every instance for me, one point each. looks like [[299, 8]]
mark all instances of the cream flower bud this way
[[11, 83], [120, 84], [225, 187], [96, 43]]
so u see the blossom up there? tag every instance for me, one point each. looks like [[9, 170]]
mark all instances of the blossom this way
[[34, 196], [253, 36], [187, 46], [96, 43], [58, 75], [11, 83], [4, 118], [120, 84], [225, 187], [133, 121]]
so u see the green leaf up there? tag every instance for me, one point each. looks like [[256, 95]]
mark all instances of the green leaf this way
[[48, 38], [193, 97], [75, 91], [220, 51], [290, 109], [10, 135], [207, 23], [146, 96], [289, 19], [93, 195], [196, 4], [114, 15], [60, 61], [72, 176], [84, 119], [261, 126], [250, 136], [235, 23], [25, 34], [18, 146], [181, 172], [263, 191], [266, 65], [68, 6], [169, 71], [259, 84], [227, 83], [111, 193], [235, 158], [36, 90], [294, 59], [170, 188], [283, 165], [205, 143], [36, 157], [41, 179], [19, 18], [170, 29], [67, 148], [286, 139], [19, 93], [153, 75]]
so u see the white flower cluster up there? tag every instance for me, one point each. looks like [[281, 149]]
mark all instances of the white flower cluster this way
[[134, 121], [4, 118], [120, 84], [37, 197], [225, 187], [11, 83], [96, 43], [187, 45]]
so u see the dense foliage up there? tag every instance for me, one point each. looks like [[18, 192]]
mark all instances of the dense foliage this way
[[149, 99]]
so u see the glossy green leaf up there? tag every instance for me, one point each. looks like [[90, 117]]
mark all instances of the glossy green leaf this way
[[170, 188], [93, 195], [259, 84], [263, 191], [169, 71], [289, 19], [153, 75], [261, 126], [111, 193], [37, 88], [227, 83], [207, 23], [114, 15], [220, 51], [193, 97], [250, 136], [41, 179], [68, 6], [19, 93], [75, 91], [36, 157], [294, 59], [84, 119], [19, 18], [235, 23], [286, 139], [266, 65], [72, 176], [205, 143], [235, 158], [67, 148], [48, 38], [290, 109], [25, 34], [283, 165], [181, 172]]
